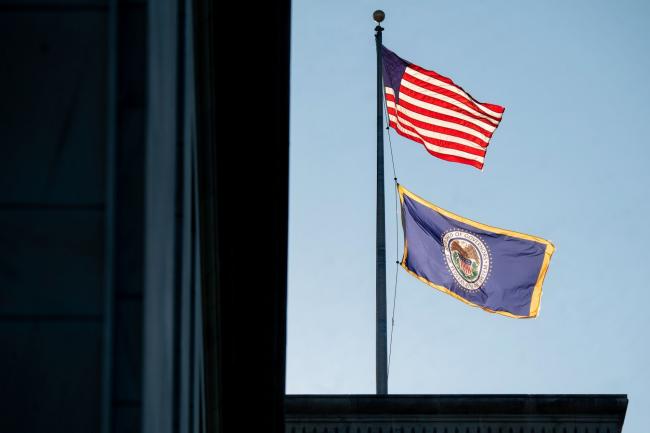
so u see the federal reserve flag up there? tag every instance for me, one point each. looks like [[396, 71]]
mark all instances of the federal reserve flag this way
[[498, 270]]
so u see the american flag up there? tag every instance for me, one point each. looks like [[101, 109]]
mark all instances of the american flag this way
[[432, 110]]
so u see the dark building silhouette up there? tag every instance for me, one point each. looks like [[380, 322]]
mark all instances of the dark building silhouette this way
[[131, 193], [143, 227]]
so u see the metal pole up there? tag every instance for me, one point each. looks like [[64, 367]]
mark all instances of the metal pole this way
[[381, 349]]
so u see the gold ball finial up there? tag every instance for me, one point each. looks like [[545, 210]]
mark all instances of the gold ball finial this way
[[378, 15]]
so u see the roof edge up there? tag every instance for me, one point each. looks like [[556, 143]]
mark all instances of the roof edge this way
[[458, 404]]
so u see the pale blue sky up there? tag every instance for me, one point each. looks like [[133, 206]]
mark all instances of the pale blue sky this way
[[568, 163]]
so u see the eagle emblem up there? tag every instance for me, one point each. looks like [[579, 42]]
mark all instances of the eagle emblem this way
[[467, 257]]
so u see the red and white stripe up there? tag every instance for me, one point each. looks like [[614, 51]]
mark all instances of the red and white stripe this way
[[437, 113]]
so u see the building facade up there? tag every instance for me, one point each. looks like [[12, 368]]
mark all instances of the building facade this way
[[455, 413]]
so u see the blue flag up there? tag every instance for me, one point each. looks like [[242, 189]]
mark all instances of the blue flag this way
[[498, 270]]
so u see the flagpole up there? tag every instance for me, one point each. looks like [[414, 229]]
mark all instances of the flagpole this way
[[381, 369]]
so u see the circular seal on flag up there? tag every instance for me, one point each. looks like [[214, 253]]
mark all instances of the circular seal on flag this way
[[467, 258]]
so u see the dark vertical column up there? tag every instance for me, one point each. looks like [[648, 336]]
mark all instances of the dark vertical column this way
[[186, 203], [109, 215], [52, 214], [381, 350], [243, 203], [207, 265], [159, 406], [129, 95]]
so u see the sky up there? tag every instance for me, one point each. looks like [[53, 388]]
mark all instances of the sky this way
[[569, 163]]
